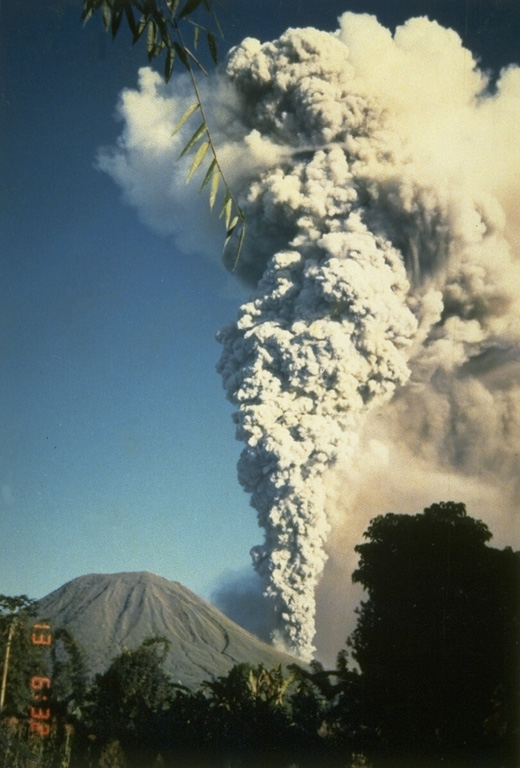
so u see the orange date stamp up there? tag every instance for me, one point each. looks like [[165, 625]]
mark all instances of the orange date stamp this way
[[40, 712]]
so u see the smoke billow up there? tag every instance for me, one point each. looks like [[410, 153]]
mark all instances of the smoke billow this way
[[377, 354]]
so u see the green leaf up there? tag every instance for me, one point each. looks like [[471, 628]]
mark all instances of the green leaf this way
[[186, 116], [130, 18], [227, 197], [159, 47], [116, 22], [174, 4], [196, 36], [190, 6], [107, 14], [230, 231], [209, 173], [215, 179], [141, 26], [215, 20], [199, 133], [232, 225], [168, 66], [226, 241], [226, 208], [181, 51], [197, 160], [240, 243], [151, 39], [89, 8], [212, 45], [162, 26]]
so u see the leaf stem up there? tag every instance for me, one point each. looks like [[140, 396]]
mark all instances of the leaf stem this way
[[229, 194]]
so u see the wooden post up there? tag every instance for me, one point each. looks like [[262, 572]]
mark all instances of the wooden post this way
[[6, 663]]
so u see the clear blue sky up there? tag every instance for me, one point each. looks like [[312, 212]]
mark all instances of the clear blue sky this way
[[117, 448]]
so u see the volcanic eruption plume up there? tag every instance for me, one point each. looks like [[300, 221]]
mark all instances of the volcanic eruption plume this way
[[378, 176]]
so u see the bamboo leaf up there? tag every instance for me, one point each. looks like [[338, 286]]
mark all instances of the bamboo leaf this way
[[209, 173], [240, 244], [199, 133], [116, 22], [196, 36], [230, 231], [107, 14], [190, 6], [232, 225], [181, 51], [130, 18], [227, 199], [212, 45], [226, 209], [186, 116], [141, 26], [168, 66], [215, 179], [197, 160], [163, 29], [151, 38], [216, 21], [88, 10], [158, 48], [226, 241]]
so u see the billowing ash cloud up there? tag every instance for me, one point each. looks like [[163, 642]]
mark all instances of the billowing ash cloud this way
[[378, 353]]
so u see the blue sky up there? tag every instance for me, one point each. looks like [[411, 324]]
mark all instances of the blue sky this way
[[118, 448]]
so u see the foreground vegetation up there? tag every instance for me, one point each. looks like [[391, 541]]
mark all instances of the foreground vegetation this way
[[429, 677]]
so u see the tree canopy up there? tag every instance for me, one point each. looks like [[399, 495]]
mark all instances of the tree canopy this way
[[128, 696], [437, 639]]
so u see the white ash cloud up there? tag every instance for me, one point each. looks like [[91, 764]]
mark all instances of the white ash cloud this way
[[378, 353]]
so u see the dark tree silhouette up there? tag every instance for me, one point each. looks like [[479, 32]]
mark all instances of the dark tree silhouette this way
[[248, 709], [69, 674], [437, 640], [130, 699]]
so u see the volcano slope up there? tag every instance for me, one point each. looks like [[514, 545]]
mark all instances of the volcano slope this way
[[107, 613]]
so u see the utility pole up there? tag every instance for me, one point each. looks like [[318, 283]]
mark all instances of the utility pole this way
[[16, 608], [6, 662]]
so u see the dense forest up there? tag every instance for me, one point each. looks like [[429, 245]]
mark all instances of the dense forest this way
[[429, 677]]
